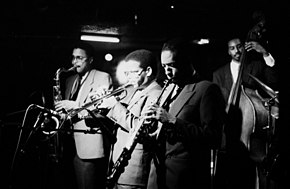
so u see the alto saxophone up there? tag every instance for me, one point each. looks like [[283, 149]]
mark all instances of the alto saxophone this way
[[143, 128]]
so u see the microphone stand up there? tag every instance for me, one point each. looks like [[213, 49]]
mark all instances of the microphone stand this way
[[85, 131], [21, 150], [270, 133], [34, 128]]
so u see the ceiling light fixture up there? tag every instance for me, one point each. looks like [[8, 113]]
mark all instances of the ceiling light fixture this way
[[201, 41], [107, 39]]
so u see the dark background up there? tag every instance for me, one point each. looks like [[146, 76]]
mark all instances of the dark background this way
[[36, 38]]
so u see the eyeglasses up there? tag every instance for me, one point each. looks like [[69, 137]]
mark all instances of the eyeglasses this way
[[170, 64], [135, 72], [78, 58]]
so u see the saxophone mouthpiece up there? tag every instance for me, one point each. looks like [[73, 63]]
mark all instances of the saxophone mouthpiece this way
[[71, 69]]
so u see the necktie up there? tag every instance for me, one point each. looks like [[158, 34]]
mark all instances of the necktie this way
[[75, 88], [172, 96]]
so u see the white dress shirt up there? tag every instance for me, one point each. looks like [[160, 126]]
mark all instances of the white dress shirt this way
[[235, 66]]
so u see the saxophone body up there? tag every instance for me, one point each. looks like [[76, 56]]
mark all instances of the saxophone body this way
[[52, 123], [56, 88]]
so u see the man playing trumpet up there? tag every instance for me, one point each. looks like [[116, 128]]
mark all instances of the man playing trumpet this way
[[140, 71]]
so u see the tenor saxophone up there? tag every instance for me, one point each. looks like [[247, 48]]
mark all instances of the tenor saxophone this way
[[141, 130], [52, 123]]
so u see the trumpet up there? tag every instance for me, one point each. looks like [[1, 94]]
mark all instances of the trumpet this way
[[60, 117], [97, 101]]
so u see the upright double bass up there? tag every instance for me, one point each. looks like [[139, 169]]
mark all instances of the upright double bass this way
[[247, 115]]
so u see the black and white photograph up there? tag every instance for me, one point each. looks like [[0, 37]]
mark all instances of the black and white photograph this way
[[151, 94]]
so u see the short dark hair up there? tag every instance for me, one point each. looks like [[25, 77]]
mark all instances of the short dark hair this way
[[176, 46], [84, 46], [182, 49], [186, 54], [146, 58]]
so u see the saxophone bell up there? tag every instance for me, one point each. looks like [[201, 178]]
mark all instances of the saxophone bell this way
[[50, 125], [51, 121]]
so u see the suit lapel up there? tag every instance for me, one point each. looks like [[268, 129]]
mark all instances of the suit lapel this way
[[142, 94], [166, 94], [134, 99], [228, 76], [186, 94]]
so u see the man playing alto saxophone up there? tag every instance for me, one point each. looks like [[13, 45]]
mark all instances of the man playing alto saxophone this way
[[141, 71]]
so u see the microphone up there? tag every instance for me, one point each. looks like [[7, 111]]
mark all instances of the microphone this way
[[46, 110]]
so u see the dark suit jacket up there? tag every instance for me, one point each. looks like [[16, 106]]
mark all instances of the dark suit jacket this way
[[223, 77], [199, 109]]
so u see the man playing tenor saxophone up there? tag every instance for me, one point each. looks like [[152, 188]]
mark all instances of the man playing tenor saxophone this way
[[90, 159]]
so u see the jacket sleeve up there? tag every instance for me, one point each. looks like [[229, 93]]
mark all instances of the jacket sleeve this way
[[129, 119]]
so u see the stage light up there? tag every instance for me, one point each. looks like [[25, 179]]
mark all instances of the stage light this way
[[107, 39], [108, 57], [201, 41]]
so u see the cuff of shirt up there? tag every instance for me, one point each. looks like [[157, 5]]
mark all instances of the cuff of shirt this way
[[270, 61]]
